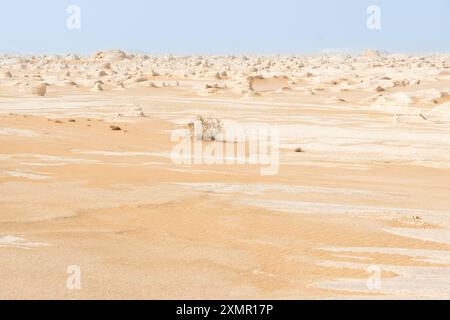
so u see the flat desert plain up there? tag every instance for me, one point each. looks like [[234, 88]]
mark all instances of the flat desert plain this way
[[93, 205]]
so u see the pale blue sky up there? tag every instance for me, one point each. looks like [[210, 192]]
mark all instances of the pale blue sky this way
[[227, 26]]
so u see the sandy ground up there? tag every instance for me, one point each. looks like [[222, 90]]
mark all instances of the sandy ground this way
[[369, 195]]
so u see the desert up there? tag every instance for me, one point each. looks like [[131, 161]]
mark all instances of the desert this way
[[357, 204]]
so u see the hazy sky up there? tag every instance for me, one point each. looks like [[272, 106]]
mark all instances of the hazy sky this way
[[226, 26]]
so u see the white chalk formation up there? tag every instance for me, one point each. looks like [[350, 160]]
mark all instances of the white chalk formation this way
[[394, 81]]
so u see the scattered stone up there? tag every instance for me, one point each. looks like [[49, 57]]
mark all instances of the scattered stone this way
[[115, 128]]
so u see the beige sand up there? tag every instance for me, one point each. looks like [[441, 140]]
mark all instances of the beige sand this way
[[370, 189]]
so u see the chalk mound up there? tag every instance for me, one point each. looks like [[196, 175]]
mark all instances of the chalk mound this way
[[102, 73], [137, 112], [371, 53], [149, 84], [140, 79], [442, 111], [247, 84], [70, 83], [106, 65], [6, 75], [376, 85], [306, 91], [110, 56], [251, 94], [153, 73], [396, 100], [335, 100], [120, 86], [428, 96], [443, 75], [97, 87], [208, 89], [72, 57], [39, 89]]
